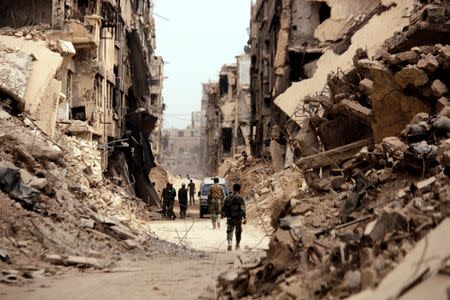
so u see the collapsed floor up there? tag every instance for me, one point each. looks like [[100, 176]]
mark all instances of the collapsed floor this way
[[58, 211], [369, 202]]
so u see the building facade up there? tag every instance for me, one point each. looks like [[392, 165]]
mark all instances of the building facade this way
[[87, 67]]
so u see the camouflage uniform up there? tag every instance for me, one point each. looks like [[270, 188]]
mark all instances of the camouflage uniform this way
[[234, 210], [216, 198]]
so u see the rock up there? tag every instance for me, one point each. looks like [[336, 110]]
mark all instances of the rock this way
[[131, 244], [79, 261], [31, 180], [87, 223], [366, 84], [426, 185], [384, 175], [429, 63], [394, 146], [301, 209], [265, 191], [438, 88], [368, 278], [352, 280], [445, 112], [386, 223], [122, 232], [337, 182], [4, 256], [442, 103], [411, 76]]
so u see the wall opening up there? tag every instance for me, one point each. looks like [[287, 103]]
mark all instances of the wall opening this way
[[21, 13], [227, 138], [324, 12], [223, 85], [79, 113], [297, 62]]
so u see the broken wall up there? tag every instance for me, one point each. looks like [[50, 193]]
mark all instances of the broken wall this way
[[20, 13]]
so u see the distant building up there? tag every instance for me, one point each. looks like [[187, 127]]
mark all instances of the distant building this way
[[182, 149]]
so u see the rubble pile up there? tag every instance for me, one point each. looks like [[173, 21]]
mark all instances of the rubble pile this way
[[56, 208], [375, 155]]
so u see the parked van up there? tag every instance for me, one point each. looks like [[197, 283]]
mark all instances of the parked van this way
[[204, 192]]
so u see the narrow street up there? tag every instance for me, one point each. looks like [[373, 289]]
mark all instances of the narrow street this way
[[189, 276]]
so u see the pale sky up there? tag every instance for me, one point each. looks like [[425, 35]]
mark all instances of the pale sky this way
[[200, 36]]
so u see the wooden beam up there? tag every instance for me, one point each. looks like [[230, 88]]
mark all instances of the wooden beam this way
[[333, 156]]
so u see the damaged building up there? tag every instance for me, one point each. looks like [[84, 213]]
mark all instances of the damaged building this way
[[87, 68], [362, 209], [226, 108], [294, 46]]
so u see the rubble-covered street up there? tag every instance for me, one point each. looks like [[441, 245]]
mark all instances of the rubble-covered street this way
[[327, 139]]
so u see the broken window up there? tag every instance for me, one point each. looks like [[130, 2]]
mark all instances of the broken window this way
[[98, 90], [301, 66], [84, 8], [79, 113], [227, 139], [19, 13], [324, 12], [223, 85]]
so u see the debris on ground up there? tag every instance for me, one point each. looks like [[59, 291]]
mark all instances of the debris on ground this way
[[57, 209]]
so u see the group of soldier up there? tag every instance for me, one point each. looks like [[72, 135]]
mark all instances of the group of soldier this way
[[231, 207], [169, 194]]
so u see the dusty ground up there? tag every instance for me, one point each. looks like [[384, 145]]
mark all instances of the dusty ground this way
[[187, 276]]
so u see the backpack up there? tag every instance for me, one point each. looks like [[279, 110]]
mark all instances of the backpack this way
[[232, 207]]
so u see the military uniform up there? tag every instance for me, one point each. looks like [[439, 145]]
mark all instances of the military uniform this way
[[234, 210], [170, 202], [182, 199], [215, 203]]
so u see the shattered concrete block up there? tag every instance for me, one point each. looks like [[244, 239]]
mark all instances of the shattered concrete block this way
[[426, 184], [4, 256], [366, 84], [307, 139], [442, 123], [356, 110], [386, 223], [392, 110], [131, 244], [411, 75], [79, 261], [394, 146], [438, 88], [352, 280], [442, 103], [276, 154], [301, 209], [429, 63], [123, 232], [87, 223], [445, 112]]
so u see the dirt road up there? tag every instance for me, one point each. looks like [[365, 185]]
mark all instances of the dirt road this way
[[168, 277]]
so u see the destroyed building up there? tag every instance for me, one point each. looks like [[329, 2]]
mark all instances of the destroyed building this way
[[294, 45], [181, 153], [87, 68], [227, 112], [362, 210]]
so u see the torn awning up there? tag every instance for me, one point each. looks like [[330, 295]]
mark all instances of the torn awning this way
[[139, 68]]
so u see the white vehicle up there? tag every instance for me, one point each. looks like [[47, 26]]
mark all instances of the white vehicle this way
[[204, 192]]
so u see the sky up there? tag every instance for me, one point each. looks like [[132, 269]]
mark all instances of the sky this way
[[196, 40]]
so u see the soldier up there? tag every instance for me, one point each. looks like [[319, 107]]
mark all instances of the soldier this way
[[182, 199], [164, 199], [234, 210], [192, 191], [215, 199], [170, 195]]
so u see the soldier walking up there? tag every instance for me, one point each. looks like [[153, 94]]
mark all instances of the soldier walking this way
[[234, 210], [183, 199], [192, 191], [215, 199], [170, 195]]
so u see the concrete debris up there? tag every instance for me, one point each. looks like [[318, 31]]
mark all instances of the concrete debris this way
[[74, 206], [372, 199], [78, 261]]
